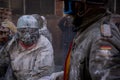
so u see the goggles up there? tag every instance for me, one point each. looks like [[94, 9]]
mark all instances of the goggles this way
[[30, 30]]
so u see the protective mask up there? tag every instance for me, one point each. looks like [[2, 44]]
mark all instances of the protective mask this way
[[28, 36]]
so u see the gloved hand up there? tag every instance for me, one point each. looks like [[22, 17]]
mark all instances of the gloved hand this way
[[57, 76]]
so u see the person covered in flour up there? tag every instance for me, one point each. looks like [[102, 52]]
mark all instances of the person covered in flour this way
[[43, 26], [32, 53]]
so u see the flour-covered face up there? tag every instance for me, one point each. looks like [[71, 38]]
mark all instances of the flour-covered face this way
[[28, 36]]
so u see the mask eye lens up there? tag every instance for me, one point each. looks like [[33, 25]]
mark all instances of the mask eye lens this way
[[21, 30], [32, 30], [29, 30]]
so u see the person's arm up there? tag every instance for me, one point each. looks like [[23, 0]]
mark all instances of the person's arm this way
[[61, 24], [104, 60]]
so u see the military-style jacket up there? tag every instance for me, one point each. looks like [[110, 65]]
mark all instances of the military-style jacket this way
[[96, 53], [32, 64]]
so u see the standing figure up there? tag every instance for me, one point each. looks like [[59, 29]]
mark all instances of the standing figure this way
[[32, 53], [7, 31], [43, 26], [66, 26], [6, 34], [95, 53]]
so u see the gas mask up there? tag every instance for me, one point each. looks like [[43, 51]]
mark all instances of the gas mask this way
[[28, 36]]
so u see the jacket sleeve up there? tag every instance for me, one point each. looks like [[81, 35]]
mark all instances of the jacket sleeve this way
[[104, 60]]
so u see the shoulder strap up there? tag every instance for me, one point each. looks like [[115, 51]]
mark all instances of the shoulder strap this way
[[106, 28]]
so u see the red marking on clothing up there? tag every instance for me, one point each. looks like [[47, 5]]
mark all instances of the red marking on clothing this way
[[105, 47]]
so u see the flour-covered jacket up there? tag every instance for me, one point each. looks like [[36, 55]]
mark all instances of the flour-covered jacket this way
[[96, 57], [35, 63], [44, 31]]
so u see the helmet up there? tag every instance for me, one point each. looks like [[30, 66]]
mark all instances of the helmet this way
[[28, 30], [27, 21], [71, 5]]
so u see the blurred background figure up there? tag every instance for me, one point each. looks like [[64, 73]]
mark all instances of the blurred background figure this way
[[7, 31], [6, 34], [66, 26], [43, 26]]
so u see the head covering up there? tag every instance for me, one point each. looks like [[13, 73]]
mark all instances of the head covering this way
[[27, 21], [7, 23]]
